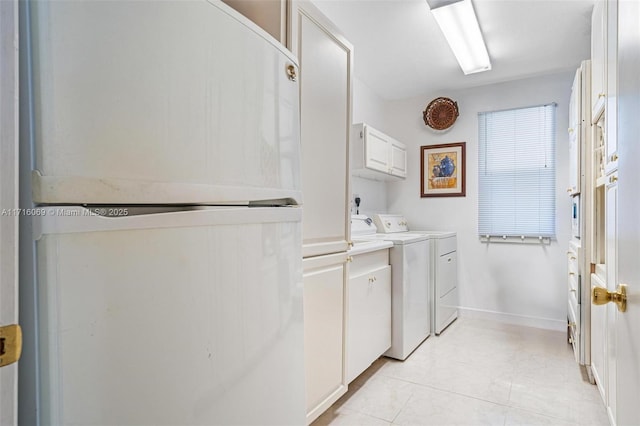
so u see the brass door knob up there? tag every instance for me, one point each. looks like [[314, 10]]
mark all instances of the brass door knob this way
[[601, 296]]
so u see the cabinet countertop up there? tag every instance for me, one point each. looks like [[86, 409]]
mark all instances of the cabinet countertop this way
[[367, 246]]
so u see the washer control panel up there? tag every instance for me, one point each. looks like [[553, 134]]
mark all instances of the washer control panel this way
[[390, 223]]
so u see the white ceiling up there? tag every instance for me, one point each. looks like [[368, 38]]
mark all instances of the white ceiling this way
[[400, 52]]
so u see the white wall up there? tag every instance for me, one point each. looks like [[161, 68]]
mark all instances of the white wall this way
[[368, 108], [517, 283]]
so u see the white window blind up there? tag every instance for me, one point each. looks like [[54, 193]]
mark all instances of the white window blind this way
[[517, 172]]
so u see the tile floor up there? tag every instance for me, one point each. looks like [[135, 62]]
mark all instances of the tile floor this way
[[475, 373]]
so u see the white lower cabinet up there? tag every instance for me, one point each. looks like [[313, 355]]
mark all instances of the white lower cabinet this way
[[369, 304], [324, 279]]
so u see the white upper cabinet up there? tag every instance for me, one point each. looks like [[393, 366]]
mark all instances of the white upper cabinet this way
[[375, 155], [598, 59], [326, 60], [574, 134]]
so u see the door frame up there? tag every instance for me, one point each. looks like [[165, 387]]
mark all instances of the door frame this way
[[8, 197]]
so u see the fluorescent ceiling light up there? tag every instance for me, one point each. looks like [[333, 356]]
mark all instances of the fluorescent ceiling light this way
[[460, 27]]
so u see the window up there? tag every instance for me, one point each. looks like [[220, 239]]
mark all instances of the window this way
[[517, 172]]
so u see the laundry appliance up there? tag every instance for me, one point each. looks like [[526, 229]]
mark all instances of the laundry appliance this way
[[443, 264]]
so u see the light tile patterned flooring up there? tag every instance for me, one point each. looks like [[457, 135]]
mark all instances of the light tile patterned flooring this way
[[475, 373]]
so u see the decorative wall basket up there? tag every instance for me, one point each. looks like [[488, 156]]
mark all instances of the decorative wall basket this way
[[441, 113]]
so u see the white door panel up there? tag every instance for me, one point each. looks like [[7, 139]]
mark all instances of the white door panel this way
[[8, 199], [627, 329]]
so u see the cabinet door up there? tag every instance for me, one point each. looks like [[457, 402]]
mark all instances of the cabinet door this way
[[324, 331], [325, 108], [598, 58], [574, 161], [369, 319], [398, 154], [376, 150], [575, 134]]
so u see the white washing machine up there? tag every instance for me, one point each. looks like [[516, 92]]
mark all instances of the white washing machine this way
[[410, 299], [443, 265]]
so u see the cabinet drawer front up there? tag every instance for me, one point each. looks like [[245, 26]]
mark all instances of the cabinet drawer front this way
[[446, 275], [572, 261], [446, 245], [365, 262]]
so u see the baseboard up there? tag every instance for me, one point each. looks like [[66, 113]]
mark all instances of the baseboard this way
[[527, 321]]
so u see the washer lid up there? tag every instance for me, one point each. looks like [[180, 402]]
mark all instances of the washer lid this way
[[400, 237]]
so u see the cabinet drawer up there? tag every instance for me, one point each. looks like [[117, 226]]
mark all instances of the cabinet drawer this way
[[572, 261], [365, 262], [446, 245]]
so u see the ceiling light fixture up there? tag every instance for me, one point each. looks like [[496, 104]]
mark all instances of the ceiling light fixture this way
[[460, 27]]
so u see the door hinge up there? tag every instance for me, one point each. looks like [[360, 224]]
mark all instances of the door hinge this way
[[10, 344]]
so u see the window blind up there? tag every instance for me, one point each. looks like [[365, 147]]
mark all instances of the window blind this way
[[517, 172]]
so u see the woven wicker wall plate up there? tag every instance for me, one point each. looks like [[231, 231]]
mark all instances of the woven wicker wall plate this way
[[441, 113]]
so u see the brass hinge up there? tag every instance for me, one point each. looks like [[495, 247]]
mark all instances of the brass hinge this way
[[10, 344]]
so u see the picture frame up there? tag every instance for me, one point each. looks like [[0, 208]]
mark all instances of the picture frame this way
[[443, 170]]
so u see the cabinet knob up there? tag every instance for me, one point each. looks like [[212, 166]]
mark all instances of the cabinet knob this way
[[349, 259], [569, 189], [292, 73], [613, 179], [614, 157], [570, 130]]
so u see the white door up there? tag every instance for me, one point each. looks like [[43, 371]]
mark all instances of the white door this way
[[627, 326], [8, 204]]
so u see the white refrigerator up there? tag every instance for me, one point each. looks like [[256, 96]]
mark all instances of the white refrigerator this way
[[162, 267]]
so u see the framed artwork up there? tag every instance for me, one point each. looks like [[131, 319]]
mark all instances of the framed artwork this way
[[442, 170]]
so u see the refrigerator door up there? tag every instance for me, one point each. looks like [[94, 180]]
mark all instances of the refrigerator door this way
[[191, 317], [139, 102]]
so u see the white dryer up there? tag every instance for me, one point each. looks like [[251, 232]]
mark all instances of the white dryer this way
[[443, 265]]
